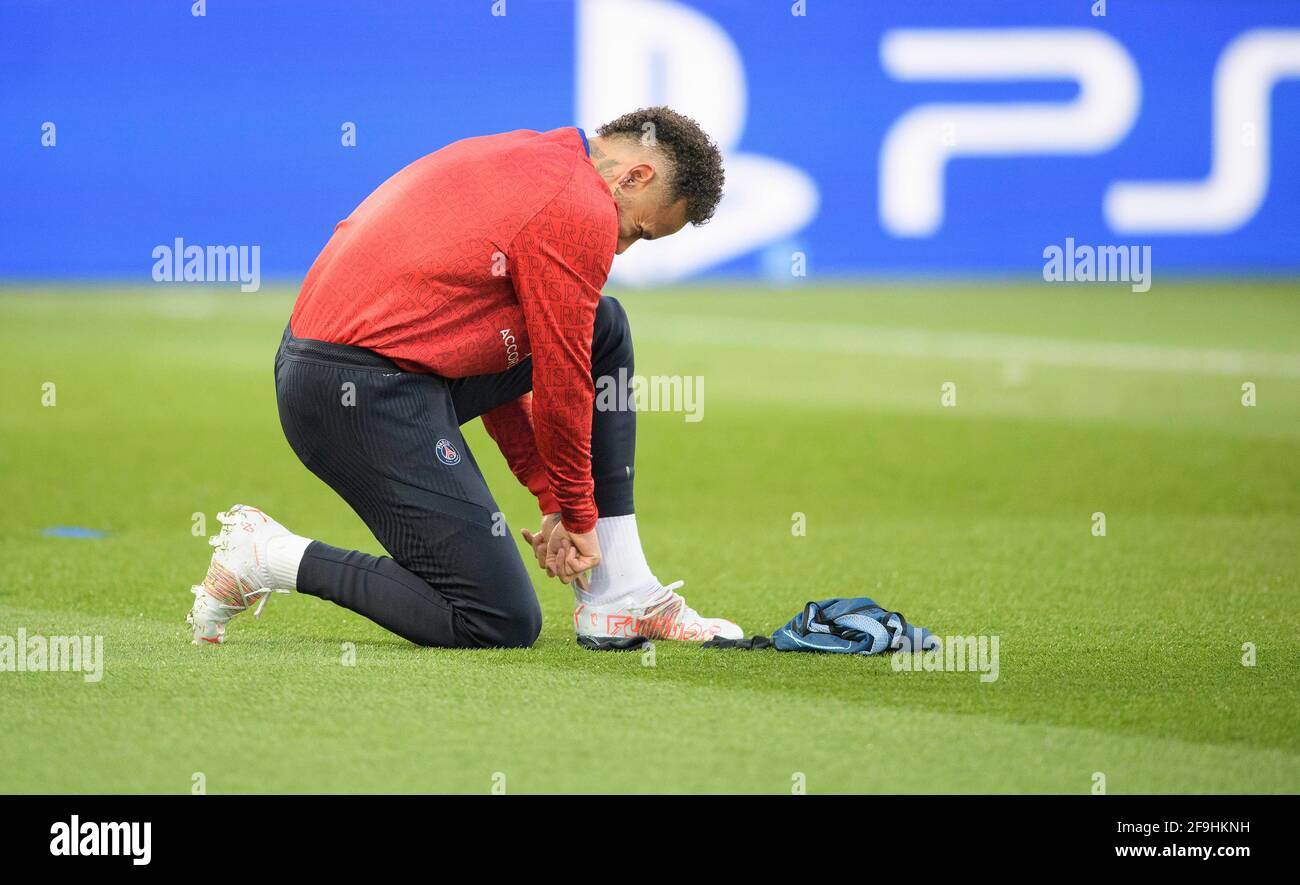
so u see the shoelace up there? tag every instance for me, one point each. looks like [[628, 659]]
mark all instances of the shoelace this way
[[265, 594], [665, 596], [199, 589], [684, 611]]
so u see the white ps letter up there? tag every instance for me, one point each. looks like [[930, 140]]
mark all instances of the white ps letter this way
[[918, 146]]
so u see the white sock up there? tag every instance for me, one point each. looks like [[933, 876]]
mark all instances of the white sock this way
[[623, 570], [283, 556]]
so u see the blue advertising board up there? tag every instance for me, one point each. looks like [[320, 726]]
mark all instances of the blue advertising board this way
[[883, 137]]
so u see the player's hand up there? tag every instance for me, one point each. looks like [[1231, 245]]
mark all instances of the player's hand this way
[[539, 541], [569, 555]]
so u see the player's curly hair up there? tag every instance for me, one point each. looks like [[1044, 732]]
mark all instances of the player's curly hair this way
[[696, 162]]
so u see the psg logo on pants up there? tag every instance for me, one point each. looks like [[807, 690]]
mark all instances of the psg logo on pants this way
[[447, 453]]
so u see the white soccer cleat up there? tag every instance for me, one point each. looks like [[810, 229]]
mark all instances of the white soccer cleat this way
[[238, 574], [629, 624]]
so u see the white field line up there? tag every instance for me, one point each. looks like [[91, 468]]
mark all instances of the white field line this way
[[980, 347]]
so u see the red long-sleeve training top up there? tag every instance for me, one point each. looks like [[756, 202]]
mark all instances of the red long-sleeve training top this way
[[469, 260]]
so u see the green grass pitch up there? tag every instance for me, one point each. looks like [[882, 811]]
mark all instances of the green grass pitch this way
[[1120, 654]]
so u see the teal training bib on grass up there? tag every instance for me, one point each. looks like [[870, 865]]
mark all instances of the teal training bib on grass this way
[[852, 627]]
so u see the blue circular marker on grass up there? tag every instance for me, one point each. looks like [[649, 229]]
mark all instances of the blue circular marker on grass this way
[[73, 531]]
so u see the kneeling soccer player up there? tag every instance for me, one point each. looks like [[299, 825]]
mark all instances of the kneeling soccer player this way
[[465, 281]]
